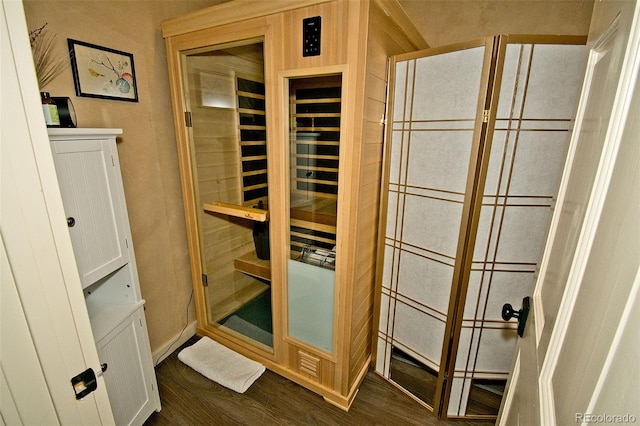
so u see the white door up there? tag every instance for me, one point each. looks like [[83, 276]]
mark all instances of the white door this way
[[579, 359], [46, 334]]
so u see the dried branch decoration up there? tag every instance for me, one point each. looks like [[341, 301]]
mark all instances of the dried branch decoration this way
[[47, 67]]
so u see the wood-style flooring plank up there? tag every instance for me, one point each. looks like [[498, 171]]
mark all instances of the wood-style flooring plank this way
[[188, 398]]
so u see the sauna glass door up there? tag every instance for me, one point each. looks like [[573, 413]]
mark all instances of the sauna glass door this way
[[226, 110], [314, 153], [478, 142]]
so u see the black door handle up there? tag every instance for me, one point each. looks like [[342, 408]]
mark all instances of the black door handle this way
[[521, 315], [71, 222]]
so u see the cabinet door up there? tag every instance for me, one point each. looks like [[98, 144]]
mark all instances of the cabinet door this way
[[129, 372], [94, 205]]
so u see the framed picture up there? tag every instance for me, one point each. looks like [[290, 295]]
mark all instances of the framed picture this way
[[100, 72]]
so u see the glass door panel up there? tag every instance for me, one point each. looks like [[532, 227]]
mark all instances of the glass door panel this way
[[314, 110], [226, 100]]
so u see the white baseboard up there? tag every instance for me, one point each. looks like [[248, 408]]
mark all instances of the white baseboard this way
[[174, 343]]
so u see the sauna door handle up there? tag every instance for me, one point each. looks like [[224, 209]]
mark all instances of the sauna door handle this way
[[521, 315]]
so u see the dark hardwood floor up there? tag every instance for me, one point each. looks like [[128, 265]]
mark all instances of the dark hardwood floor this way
[[188, 398]]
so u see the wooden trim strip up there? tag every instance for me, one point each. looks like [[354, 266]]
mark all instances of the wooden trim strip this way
[[544, 39], [312, 129], [254, 158], [397, 14], [316, 101], [327, 143], [251, 111], [250, 94], [318, 169], [226, 13], [313, 226], [324, 182], [481, 42], [317, 157], [252, 187], [310, 237], [317, 114], [255, 173], [250, 213]]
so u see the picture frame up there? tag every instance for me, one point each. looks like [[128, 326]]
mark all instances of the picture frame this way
[[101, 72]]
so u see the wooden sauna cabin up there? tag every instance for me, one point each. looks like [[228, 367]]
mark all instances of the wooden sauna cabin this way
[[279, 115]]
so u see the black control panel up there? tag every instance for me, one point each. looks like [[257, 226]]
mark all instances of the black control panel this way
[[311, 36]]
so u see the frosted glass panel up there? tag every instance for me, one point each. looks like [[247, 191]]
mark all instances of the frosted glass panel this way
[[310, 304], [315, 121]]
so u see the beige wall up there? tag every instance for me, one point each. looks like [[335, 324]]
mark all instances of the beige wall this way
[[147, 147], [444, 22]]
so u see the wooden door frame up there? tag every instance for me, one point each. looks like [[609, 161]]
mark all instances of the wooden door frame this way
[[178, 48]]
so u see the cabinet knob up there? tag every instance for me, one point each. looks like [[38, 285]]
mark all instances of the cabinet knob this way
[[71, 221]]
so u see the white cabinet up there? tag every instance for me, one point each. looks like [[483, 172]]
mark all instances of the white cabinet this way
[[88, 172], [121, 350], [93, 204]]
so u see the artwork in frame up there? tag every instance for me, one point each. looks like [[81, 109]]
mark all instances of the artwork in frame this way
[[100, 72]]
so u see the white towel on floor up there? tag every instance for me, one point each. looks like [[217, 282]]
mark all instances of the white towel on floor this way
[[221, 364]]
